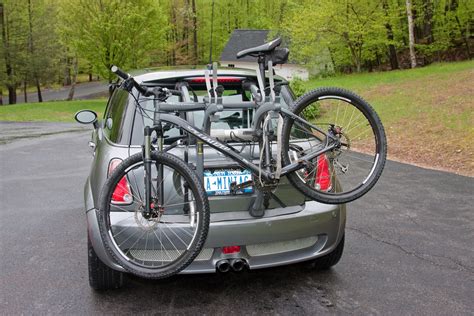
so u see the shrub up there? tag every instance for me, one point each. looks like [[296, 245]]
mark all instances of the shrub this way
[[297, 85], [311, 112]]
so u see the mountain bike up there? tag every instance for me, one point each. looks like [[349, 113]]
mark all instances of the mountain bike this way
[[330, 143]]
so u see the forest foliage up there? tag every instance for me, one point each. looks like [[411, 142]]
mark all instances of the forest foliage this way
[[46, 42]]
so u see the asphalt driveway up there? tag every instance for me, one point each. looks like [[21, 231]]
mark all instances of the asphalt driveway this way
[[86, 90], [408, 246]]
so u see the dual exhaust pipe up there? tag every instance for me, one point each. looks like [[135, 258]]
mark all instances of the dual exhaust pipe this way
[[235, 264]]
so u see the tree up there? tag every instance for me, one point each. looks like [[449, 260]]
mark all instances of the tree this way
[[411, 34], [108, 32], [14, 41], [195, 42], [353, 30], [392, 52]]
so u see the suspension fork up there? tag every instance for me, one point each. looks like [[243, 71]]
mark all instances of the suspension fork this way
[[148, 177], [160, 179]]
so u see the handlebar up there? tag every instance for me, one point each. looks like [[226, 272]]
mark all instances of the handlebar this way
[[125, 76], [119, 72]]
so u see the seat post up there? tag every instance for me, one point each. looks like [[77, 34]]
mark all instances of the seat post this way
[[261, 68]]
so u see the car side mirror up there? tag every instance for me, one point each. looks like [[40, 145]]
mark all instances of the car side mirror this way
[[86, 117]]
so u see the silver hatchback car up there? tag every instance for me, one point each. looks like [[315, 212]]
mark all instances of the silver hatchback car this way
[[290, 229]]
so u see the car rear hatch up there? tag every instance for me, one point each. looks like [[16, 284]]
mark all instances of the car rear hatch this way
[[219, 170]]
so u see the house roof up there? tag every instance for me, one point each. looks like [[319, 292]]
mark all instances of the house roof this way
[[242, 39]]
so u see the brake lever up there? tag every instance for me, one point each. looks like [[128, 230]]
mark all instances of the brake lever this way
[[128, 84]]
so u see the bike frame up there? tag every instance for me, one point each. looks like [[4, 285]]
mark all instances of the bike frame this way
[[270, 105], [226, 149]]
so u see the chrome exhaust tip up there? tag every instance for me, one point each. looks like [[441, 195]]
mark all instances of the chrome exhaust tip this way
[[237, 264], [223, 266]]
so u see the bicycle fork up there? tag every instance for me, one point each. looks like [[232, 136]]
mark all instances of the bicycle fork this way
[[152, 204], [257, 209]]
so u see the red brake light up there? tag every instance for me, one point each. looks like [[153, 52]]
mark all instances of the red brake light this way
[[122, 193], [219, 79], [323, 176], [230, 249]]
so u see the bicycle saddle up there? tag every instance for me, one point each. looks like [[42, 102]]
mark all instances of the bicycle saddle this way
[[265, 48]]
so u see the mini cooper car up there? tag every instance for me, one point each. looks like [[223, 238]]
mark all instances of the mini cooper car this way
[[290, 229]]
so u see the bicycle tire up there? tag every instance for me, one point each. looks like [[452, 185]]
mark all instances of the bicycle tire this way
[[326, 99], [143, 258]]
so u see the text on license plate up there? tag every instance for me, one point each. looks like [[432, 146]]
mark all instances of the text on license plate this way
[[217, 182]]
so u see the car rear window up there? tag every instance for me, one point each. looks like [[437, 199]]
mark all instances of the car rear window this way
[[145, 118], [228, 119]]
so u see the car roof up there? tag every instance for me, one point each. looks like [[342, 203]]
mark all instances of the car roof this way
[[158, 76]]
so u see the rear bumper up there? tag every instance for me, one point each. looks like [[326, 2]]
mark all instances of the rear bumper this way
[[265, 242]]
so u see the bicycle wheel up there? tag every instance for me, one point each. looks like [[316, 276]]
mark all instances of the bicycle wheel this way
[[167, 240], [347, 171]]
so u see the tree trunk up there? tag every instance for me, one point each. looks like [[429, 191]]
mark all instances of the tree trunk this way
[[185, 35], [11, 94], [11, 85], [1, 96], [31, 51], [411, 35], [195, 43], [67, 72], [428, 22], [331, 55], [38, 88], [173, 34], [25, 94], [392, 52], [355, 58], [74, 79]]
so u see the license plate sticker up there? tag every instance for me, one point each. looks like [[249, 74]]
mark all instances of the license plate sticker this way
[[217, 182]]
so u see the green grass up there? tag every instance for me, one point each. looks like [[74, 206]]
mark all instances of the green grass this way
[[428, 113], [360, 82], [433, 91], [57, 111]]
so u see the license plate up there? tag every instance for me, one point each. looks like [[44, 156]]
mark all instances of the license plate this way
[[217, 182]]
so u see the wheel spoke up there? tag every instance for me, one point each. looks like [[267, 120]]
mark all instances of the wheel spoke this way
[[155, 242], [358, 152]]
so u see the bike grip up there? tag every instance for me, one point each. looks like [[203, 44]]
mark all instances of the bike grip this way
[[116, 70]]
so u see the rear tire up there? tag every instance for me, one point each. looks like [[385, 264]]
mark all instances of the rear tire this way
[[359, 157], [331, 259], [101, 277]]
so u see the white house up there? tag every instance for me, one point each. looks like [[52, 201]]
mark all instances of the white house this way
[[242, 39]]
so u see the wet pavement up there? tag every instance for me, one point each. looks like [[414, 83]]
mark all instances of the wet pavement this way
[[86, 90], [10, 131], [408, 246]]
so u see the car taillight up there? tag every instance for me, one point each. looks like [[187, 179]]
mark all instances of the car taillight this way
[[122, 193], [323, 175], [230, 249]]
